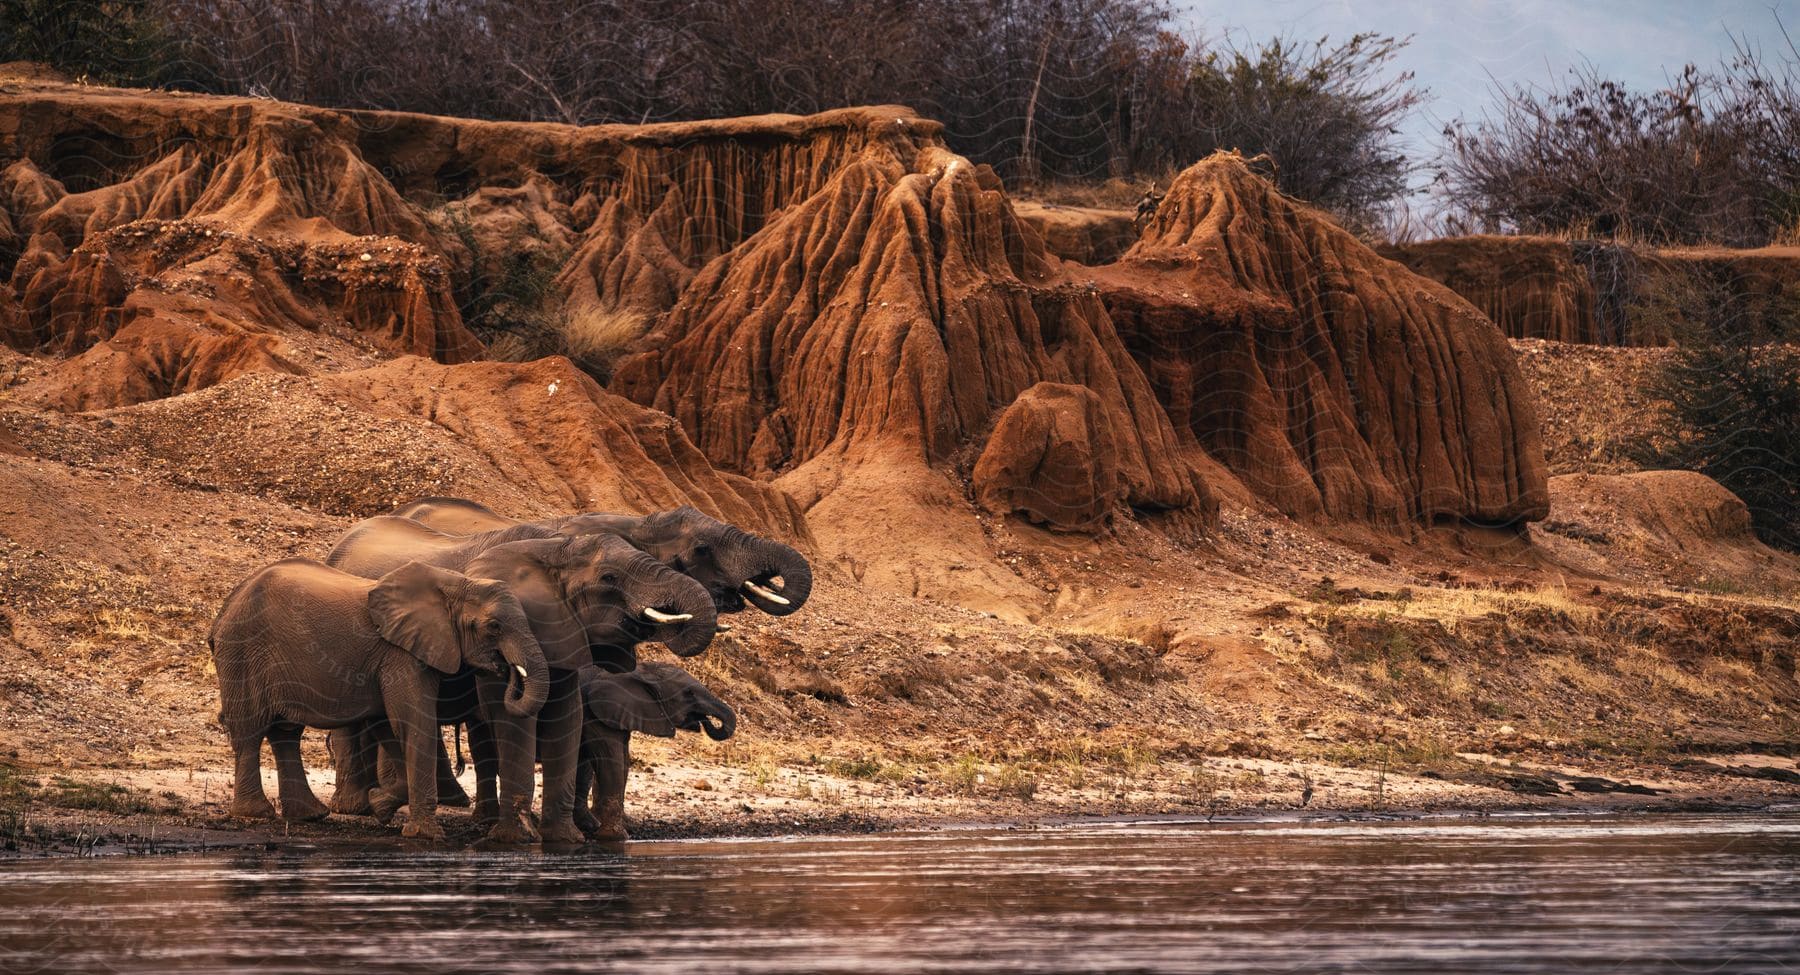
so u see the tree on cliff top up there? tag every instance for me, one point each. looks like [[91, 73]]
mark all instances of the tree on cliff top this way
[[1328, 116], [1711, 158]]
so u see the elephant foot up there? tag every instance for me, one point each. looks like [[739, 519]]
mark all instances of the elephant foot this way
[[512, 831], [303, 809], [585, 821], [562, 832], [424, 829], [351, 802], [610, 823], [384, 804], [257, 808], [487, 812]]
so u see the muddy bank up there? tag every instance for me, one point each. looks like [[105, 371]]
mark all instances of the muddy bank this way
[[682, 800]]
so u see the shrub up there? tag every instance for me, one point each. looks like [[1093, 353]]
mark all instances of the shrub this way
[[1327, 116], [1712, 158], [1735, 405], [115, 42]]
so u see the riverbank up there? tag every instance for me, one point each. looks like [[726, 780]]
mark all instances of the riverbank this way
[[151, 812]]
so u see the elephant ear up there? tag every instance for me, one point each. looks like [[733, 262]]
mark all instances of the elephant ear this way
[[625, 702], [411, 610]]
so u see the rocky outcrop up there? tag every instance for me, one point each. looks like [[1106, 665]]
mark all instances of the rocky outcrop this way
[[892, 316], [263, 215], [1532, 287], [1052, 459], [1085, 235], [834, 309], [1331, 382], [1607, 293]]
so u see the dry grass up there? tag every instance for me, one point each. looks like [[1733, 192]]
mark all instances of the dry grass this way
[[599, 336], [1110, 194]]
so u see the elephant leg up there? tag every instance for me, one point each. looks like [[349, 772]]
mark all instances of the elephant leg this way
[[419, 731], [487, 772], [515, 750], [449, 791], [386, 798], [298, 804], [409, 695], [559, 746], [584, 783], [247, 798], [612, 767], [353, 757]]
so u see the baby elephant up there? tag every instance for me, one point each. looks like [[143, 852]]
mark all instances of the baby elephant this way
[[655, 699], [301, 644]]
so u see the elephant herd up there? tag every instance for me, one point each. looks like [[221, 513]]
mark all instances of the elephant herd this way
[[446, 613]]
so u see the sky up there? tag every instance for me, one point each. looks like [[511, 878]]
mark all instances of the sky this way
[[1460, 49]]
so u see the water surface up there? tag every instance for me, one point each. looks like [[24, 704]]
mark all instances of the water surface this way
[[1601, 894]]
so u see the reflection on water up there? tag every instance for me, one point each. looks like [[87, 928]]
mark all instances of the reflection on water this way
[[1674, 894]]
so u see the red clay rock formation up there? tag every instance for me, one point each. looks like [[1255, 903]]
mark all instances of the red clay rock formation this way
[[893, 316], [1330, 381], [836, 303], [1593, 292], [1532, 287], [1085, 235], [1052, 459], [265, 211]]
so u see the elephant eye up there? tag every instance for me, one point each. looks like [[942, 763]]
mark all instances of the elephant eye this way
[[610, 578], [702, 551]]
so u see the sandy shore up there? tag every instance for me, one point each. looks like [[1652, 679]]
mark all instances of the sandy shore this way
[[675, 797]]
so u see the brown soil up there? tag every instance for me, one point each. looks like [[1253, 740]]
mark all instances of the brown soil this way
[[1543, 288], [1195, 532]]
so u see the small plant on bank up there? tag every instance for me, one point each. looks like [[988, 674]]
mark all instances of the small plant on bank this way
[[1013, 781], [964, 775]]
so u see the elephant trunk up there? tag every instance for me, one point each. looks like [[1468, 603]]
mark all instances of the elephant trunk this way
[[777, 578], [684, 597], [717, 719], [525, 692]]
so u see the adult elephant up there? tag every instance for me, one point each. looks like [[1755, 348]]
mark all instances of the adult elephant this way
[[583, 596], [735, 566], [353, 750], [301, 644]]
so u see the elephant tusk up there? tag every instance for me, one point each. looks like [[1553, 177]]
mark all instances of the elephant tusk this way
[[659, 616], [724, 627], [521, 670], [768, 594]]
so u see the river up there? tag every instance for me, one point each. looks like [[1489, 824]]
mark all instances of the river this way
[[1639, 894]]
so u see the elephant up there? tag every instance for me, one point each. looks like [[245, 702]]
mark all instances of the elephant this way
[[585, 597], [301, 644], [353, 750], [735, 566], [656, 699]]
